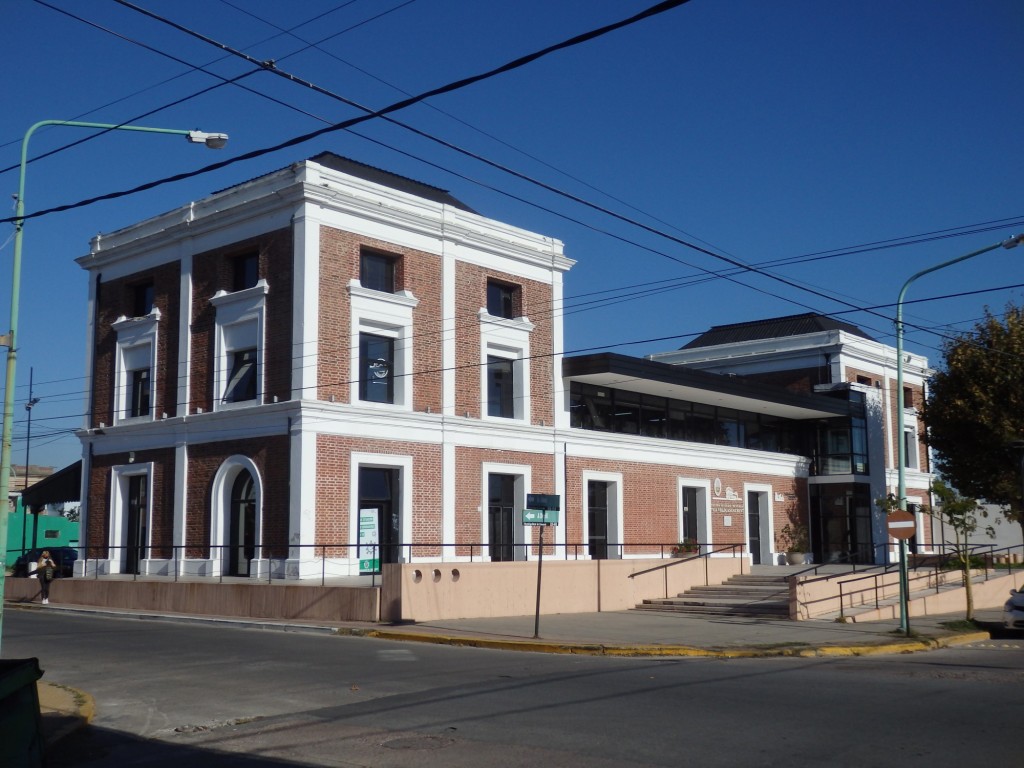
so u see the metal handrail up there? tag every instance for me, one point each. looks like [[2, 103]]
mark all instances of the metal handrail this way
[[179, 553]]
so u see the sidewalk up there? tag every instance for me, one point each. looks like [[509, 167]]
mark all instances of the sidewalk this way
[[620, 633]]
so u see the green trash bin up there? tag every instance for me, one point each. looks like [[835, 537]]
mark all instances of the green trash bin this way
[[21, 738]]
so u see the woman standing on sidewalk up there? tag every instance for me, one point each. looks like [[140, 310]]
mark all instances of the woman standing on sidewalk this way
[[45, 572]]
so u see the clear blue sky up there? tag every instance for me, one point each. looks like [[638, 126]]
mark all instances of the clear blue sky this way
[[764, 130]]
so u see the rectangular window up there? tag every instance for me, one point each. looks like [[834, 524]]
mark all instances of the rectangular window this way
[[503, 299], [142, 300], [910, 448], [837, 452], [500, 387], [377, 271], [376, 367], [138, 395], [244, 271], [908, 397], [242, 381]]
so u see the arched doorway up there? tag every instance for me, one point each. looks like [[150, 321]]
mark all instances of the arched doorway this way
[[241, 543]]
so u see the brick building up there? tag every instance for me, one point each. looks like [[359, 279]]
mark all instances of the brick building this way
[[332, 355]]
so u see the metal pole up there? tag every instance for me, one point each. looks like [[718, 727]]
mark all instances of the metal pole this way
[[10, 339], [28, 436], [540, 564], [901, 453]]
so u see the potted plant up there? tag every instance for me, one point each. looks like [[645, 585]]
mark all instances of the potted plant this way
[[794, 540], [685, 547]]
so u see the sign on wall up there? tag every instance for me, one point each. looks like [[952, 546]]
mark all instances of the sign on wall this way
[[369, 541]]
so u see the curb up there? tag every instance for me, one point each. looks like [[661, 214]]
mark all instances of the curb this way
[[63, 710], [599, 649]]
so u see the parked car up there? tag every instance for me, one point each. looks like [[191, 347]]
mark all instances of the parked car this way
[[64, 557], [1013, 611]]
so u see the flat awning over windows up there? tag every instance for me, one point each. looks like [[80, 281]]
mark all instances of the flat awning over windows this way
[[63, 485]]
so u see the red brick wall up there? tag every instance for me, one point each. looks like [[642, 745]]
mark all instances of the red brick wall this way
[[469, 493], [117, 298], [272, 457], [161, 522], [536, 300], [650, 501], [212, 272], [333, 479], [415, 271]]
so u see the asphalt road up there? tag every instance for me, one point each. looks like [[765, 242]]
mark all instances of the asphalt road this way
[[171, 694]]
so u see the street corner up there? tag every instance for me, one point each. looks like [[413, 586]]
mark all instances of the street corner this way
[[63, 710]]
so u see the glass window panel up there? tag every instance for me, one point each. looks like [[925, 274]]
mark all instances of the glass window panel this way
[[678, 413], [502, 299], [139, 396], [245, 271], [653, 416], [626, 413], [242, 381], [376, 365], [500, 387], [377, 272]]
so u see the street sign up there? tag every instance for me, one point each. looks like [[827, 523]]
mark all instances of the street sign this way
[[902, 525], [540, 517], [543, 501]]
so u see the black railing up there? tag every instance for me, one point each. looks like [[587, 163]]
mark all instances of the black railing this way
[[210, 561]]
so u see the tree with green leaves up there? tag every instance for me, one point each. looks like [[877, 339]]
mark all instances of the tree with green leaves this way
[[963, 516], [975, 412]]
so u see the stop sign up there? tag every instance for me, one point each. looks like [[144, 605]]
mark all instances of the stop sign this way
[[902, 524]]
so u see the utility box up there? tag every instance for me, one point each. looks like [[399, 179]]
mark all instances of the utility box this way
[[21, 738]]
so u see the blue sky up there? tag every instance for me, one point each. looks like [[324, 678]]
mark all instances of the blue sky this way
[[762, 131]]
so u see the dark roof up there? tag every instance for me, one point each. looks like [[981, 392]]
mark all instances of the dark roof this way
[[63, 485], [377, 176], [772, 328], [388, 179]]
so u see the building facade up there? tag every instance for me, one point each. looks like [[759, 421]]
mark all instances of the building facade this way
[[854, 458], [331, 366]]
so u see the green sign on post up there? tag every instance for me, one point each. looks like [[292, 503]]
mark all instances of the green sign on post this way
[[540, 517], [369, 542]]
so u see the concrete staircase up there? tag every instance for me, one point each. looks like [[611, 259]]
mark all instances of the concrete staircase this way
[[758, 594]]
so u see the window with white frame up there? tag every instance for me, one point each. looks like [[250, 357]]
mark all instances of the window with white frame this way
[[376, 368], [130, 509], [135, 367], [382, 363], [910, 447], [239, 346], [504, 366]]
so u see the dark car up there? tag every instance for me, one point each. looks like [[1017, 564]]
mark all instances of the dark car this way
[[64, 557]]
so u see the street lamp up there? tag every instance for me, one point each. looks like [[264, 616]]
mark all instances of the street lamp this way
[[901, 448], [211, 140]]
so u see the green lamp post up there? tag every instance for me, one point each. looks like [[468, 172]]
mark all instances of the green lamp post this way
[[901, 449], [211, 140]]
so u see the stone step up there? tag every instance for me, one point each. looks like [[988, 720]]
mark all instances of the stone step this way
[[753, 580], [717, 608], [763, 594], [750, 589]]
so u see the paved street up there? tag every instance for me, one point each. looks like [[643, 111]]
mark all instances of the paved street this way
[[180, 694]]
